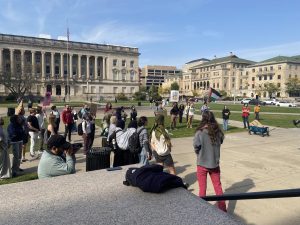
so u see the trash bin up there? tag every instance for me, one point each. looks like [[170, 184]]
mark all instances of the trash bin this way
[[10, 111], [139, 104], [98, 158]]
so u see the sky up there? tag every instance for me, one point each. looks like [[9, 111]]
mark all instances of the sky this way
[[167, 32]]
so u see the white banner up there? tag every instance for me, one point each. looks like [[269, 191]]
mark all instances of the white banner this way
[[174, 96]]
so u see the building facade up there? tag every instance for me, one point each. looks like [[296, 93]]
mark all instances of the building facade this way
[[155, 75], [85, 69]]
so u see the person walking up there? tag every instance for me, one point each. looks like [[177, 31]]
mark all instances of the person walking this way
[[257, 111], [161, 144], [207, 143], [34, 129], [245, 115], [146, 153], [67, 118], [181, 111], [191, 115], [174, 114], [5, 169], [15, 138], [225, 115]]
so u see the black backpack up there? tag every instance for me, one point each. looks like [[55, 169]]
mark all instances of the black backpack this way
[[152, 178], [80, 114], [79, 129], [134, 144]]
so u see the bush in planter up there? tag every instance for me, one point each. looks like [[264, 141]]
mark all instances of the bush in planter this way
[[122, 97], [11, 97]]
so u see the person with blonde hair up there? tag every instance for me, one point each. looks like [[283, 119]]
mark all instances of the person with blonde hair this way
[[51, 128], [207, 144]]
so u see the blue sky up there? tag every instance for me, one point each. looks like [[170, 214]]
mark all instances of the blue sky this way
[[167, 32]]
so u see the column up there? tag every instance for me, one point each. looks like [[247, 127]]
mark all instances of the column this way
[[33, 62], [96, 68], [79, 66], [43, 64], [105, 68], [87, 67], [1, 60], [52, 64], [62, 64], [12, 62], [71, 65], [22, 61]]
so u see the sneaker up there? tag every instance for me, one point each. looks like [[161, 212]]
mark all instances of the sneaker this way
[[32, 155], [21, 170], [24, 160], [14, 174]]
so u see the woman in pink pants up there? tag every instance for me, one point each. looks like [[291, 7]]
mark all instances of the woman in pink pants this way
[[207, 143]]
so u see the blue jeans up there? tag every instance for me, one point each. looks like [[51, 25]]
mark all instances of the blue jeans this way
[[246, 121], [225, 124], [143, 157], [17, 153]]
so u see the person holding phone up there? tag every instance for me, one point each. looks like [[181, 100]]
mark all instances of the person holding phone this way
[[52, 162]]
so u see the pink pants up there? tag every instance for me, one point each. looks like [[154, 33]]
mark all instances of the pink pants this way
[[215, 178]]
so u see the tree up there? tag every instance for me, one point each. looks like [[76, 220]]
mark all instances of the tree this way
[[153, 93], [271, 89], [163, 91], [223, 93], [293, 87], [19, 82], [175, 86]]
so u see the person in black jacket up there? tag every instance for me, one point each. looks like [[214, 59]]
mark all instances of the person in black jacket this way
[[181, 110], [174, 114], [225, 115]]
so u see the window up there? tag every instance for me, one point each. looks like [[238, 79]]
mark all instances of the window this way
[[271, 77], [260, 69], [115, 62], [252, 85], [253, 78], [253, 70], [123, 90], [115, 75], [259, 77], [279, 77], [115, 90], [265, 77], [279, 67], [123, 76], [278, 85], [47, 69], [123, 62], [271, 67], [290, 76], [246, 72], [131, 75], [131, 63], [265, 69], [56, 69]]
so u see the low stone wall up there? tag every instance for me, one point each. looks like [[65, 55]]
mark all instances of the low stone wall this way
[[99, 197]]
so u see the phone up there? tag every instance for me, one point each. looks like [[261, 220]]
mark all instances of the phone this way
[[114, 168]]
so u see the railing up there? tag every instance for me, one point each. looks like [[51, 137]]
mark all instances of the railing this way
[[287, 193]]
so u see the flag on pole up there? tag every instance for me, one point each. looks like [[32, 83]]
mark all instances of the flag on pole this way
[[68, 34], [214, 95]]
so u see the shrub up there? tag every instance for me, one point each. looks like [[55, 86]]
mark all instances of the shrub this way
[[122, 97]]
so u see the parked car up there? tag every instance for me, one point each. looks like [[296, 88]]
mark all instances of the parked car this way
[[285, 104], [255, 102], [246, 100], [271, 101]]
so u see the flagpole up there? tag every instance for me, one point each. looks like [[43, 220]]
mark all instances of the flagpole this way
[[68, 85]]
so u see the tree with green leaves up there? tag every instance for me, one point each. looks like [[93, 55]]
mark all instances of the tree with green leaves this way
[[153, 93], [175, 86], [271, 89], [293, 87]]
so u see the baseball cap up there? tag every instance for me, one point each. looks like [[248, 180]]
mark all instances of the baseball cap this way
[[58, 141]]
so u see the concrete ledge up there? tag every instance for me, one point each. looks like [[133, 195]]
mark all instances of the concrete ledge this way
[[99, 197]]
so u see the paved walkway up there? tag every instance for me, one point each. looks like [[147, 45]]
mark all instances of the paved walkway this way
[[248, 163]]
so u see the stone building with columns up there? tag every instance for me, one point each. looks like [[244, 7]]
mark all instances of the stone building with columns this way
[[86, 69]]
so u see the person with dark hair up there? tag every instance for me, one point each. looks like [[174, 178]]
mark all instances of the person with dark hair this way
[[55, 112], [52, 163], [207, 144], [146, 153], [204, 107], [133, 113], [161, 144], [34, 128], [68, 120], [15, 138], [87, 129], [225, 115], [41, 116], [174, 114], [5, 169], [181, 110], [245, 115]]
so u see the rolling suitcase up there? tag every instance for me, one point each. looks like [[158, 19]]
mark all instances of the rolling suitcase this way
[[98, 158]]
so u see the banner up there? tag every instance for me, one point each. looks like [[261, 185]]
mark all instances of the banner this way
[[174, 96], [47, 99]]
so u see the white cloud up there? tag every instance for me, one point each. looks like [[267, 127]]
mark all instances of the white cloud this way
[[117, 33], [211, 34]]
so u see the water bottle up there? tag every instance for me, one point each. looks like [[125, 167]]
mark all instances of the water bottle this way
[[114, 144]]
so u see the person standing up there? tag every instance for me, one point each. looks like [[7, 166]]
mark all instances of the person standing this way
[[257, 111], [86, 128], [55, 112], [207, 143], [5, 169], [204, 108], [191, 115], [146, 153], [67, 118], [181, 110], [15, 138], [174, 114], [245, 115], [225, 115], [186, 111], [41, 116], [133, 113], [34, 129], [161, 144], [51, 128], [21, 112]]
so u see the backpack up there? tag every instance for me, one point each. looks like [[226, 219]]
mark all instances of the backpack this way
[[152, 178], [80, 114], [79, 129], [134, 144]]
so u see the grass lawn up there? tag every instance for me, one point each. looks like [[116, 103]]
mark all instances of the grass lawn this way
[[276, 120], [20, 178], [181, 130], [238, 107]]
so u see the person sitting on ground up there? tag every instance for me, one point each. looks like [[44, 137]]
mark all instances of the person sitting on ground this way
[[146, 153], [5, 169], [52, 163], [161, 144]]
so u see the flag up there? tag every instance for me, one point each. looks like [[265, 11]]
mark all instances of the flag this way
[[214, 95], [47, 99]]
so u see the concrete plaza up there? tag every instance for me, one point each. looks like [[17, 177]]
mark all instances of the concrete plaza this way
[[249, 163]]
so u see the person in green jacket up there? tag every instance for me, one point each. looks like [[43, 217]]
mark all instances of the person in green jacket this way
[[58, 159]]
